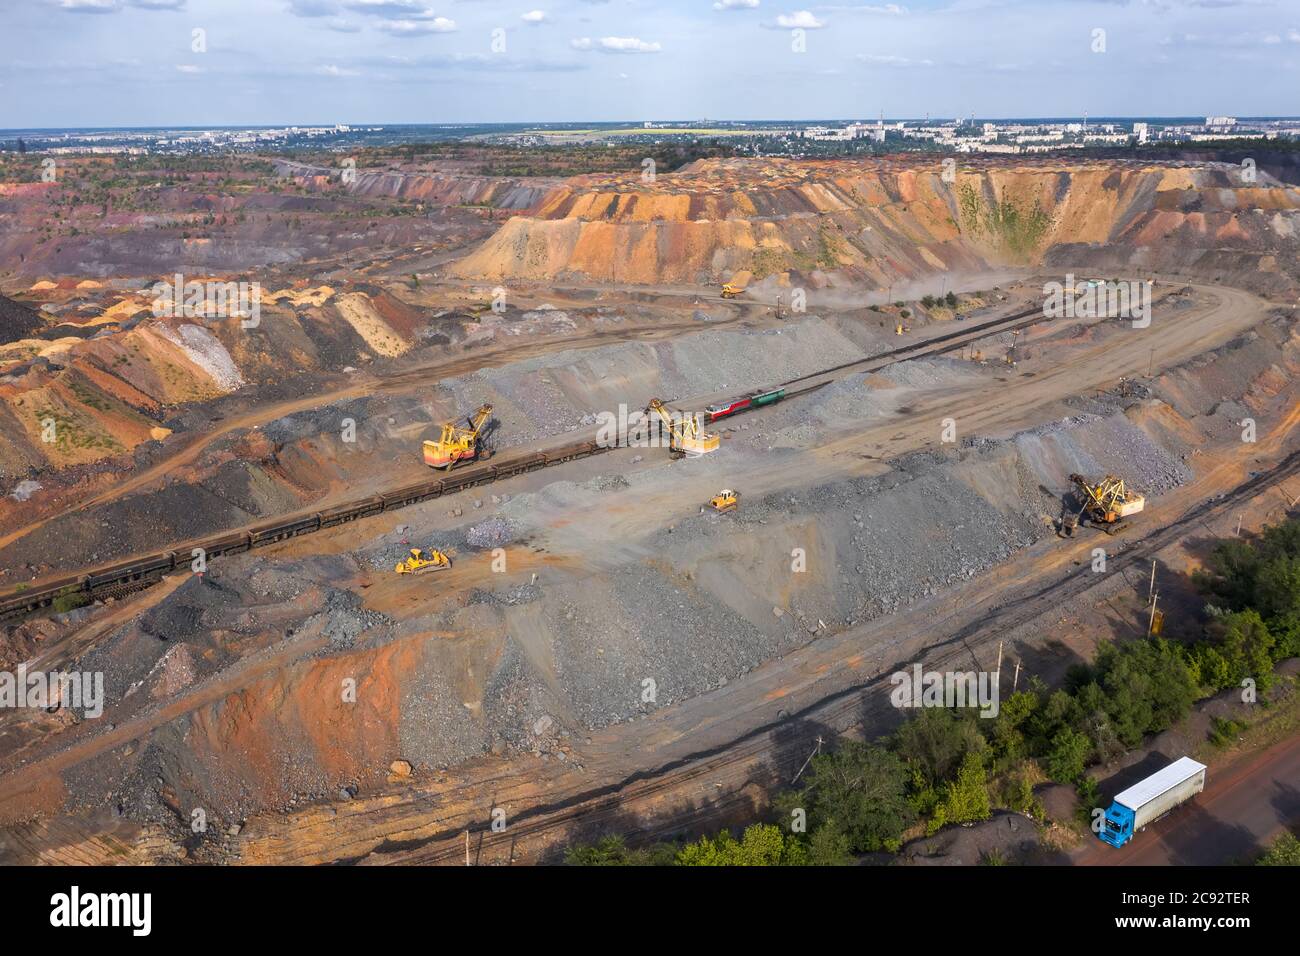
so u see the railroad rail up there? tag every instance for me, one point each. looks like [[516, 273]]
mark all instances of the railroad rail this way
[[121, 578]]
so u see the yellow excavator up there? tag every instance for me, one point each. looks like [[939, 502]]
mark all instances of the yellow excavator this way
[[1106, 504], [725, 500], [458, 443], [685, 437], [422, 562]]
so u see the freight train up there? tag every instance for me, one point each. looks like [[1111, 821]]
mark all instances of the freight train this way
[[130, 575], [758, 399], [126, 576]]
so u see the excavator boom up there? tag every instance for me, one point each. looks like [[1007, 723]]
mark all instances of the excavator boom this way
[[1106, 503], [458, 443], [685, 437]]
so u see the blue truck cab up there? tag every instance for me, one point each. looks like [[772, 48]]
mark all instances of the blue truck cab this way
[[1117, 825]]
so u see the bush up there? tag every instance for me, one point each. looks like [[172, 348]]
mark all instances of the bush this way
[[761, 845], [1068, 755], [966, 799], [1285, 851], [613, 851], [1224, 731], [69, 601]]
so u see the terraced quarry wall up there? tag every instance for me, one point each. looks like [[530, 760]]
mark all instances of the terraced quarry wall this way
[[887, 220], [521, 662], [107, 378]]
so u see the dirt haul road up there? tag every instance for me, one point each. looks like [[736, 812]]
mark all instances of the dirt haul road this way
[[686, 734], [1245, 805]]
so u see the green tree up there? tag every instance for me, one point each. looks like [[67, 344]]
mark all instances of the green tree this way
[[613, 851], [761, 845], [935, 741], [1007, 735], [829, 846], [1148, 684], [861, 791], [1068, 755], [1246, 645], [966, 799], [1285, 851]]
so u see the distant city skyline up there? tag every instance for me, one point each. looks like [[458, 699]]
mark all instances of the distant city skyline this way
[[208, 63]]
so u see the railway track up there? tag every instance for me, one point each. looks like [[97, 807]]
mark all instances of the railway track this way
[[125, 577], [778, 747]]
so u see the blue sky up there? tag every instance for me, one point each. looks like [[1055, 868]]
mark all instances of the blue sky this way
[[132, 62]]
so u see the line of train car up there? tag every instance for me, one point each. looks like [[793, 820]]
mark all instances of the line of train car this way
[[758, 399], [139, 570]]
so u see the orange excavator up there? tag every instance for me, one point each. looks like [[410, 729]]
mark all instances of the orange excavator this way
[[458, 443]]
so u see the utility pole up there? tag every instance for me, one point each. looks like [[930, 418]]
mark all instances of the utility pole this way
[[467, 848], [816, 751], [998, 672], [1151, 622], [1238, 526], [1015, 682], [1151, 588]]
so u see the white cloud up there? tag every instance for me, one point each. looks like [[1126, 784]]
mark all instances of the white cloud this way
[[799, 20], [624, 45], [415, 28], [615, 45], [880, 60], [735, 5], [886, 9], [90, 6], [392, 9], [533, 17], [333, 70], [313, 8], [188, 68]]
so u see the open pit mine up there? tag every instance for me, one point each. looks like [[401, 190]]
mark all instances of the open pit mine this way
[[489, 504]]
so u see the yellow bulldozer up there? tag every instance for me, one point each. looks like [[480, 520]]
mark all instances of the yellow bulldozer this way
[[685, 437], [422, 562], [739, 282], [458, 442], [725, 500], [1105, 504]]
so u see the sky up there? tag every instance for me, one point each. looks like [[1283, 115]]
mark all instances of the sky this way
[[71, 63]]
